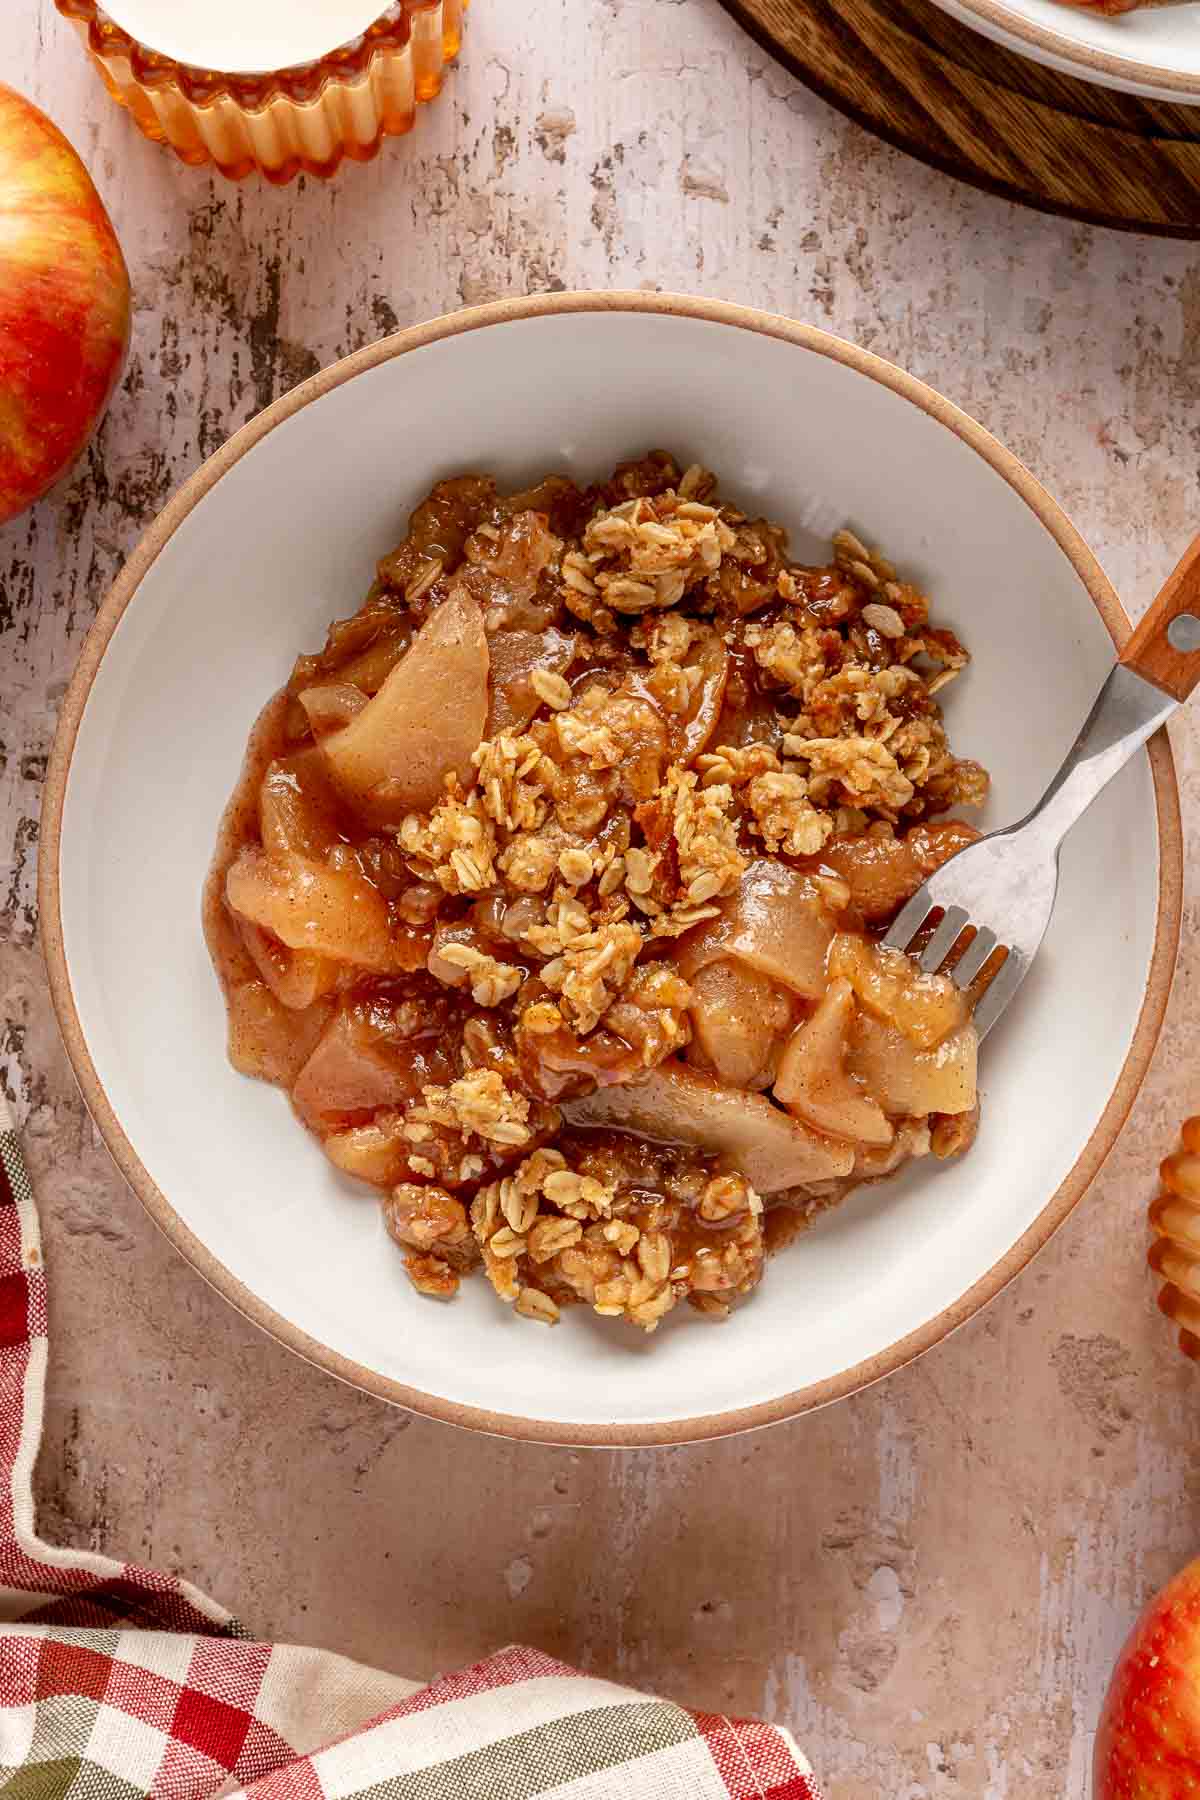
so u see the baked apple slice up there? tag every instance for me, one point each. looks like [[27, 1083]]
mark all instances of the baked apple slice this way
[[376, 1153], [712, 659], [332, 706], [814, 1083], [739, 1019], [777, 922], [676, 1105], [909, 1080], [515, 655], [926, 1008], [352, 1071], [297, 807], [883, 873], [422, 725], [268, 1039], [309, 906]]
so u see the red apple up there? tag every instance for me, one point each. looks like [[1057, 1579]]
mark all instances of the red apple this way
[[1148, 1745], [64, 305]]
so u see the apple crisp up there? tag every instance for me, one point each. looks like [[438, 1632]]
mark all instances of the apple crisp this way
[[552, 889]]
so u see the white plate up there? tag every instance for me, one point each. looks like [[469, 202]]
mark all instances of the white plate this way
[[1154, 51], [278, 534]]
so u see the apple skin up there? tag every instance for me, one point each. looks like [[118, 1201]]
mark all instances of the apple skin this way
[[64, 305], [1148, 1744]]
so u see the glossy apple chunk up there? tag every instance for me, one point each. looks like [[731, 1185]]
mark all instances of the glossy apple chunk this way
[[777, 922], [910, 1081], [740, 1018], [712, 660], [295, 977], [376, 1152], [926, 1008], [308, 905], [268, 1039], [297, 807], [371, 667], [515, 655], [677, 1105], [884, 872], [422, 725], [815, 1083], [352, 1070], [332, 706]]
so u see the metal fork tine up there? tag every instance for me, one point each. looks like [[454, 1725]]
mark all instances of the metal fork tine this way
[[973, 957], [909, 921], [943, 939], [1000, 991]]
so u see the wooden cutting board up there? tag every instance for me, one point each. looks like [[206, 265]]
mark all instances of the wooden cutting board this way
[[933, 87]]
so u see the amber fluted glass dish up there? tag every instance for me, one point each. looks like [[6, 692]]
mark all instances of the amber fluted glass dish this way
[[308, 117], [1175, 1253]]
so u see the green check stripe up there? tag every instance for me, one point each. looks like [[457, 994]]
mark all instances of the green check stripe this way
[[71, 1776], [62, 1727], [13, 1164], [43, 1780], [94, 1782], [103, 1641], [546, 1756]]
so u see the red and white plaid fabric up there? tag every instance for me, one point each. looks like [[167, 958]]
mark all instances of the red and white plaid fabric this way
[[117, 1682]]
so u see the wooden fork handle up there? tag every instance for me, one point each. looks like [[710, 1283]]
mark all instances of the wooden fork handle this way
[[1165, 647]]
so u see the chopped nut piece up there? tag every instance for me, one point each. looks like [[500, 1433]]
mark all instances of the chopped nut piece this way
[[425, 1217], [728, 1197], [430, 1275]]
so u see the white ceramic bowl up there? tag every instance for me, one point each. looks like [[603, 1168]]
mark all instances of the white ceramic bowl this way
[[277, 534], [1154, 51]]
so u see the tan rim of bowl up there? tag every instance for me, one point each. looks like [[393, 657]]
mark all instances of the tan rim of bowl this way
[[513, 1425], [1097, 62]]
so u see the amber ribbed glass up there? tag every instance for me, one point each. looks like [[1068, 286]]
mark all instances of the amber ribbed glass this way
[[278, 124], [1175, 1253]]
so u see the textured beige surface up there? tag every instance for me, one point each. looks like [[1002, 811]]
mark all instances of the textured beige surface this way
[[927, 1582]]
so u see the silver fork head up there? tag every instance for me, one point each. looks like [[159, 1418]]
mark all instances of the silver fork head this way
[[1003, 888]]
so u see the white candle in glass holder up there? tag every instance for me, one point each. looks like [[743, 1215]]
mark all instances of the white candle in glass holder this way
[[244, 37]]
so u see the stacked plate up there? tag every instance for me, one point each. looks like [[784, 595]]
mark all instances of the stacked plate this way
[[1153, 51]]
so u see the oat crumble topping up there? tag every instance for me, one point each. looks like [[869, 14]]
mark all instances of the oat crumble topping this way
[[542, 890]]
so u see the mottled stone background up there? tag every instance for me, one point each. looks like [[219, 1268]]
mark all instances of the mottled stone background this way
[[928, 1582]]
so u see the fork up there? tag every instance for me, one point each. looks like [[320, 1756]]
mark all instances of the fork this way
[[1002, 888]]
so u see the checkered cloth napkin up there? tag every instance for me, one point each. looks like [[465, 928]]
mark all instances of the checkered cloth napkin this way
[[117, 1682]]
